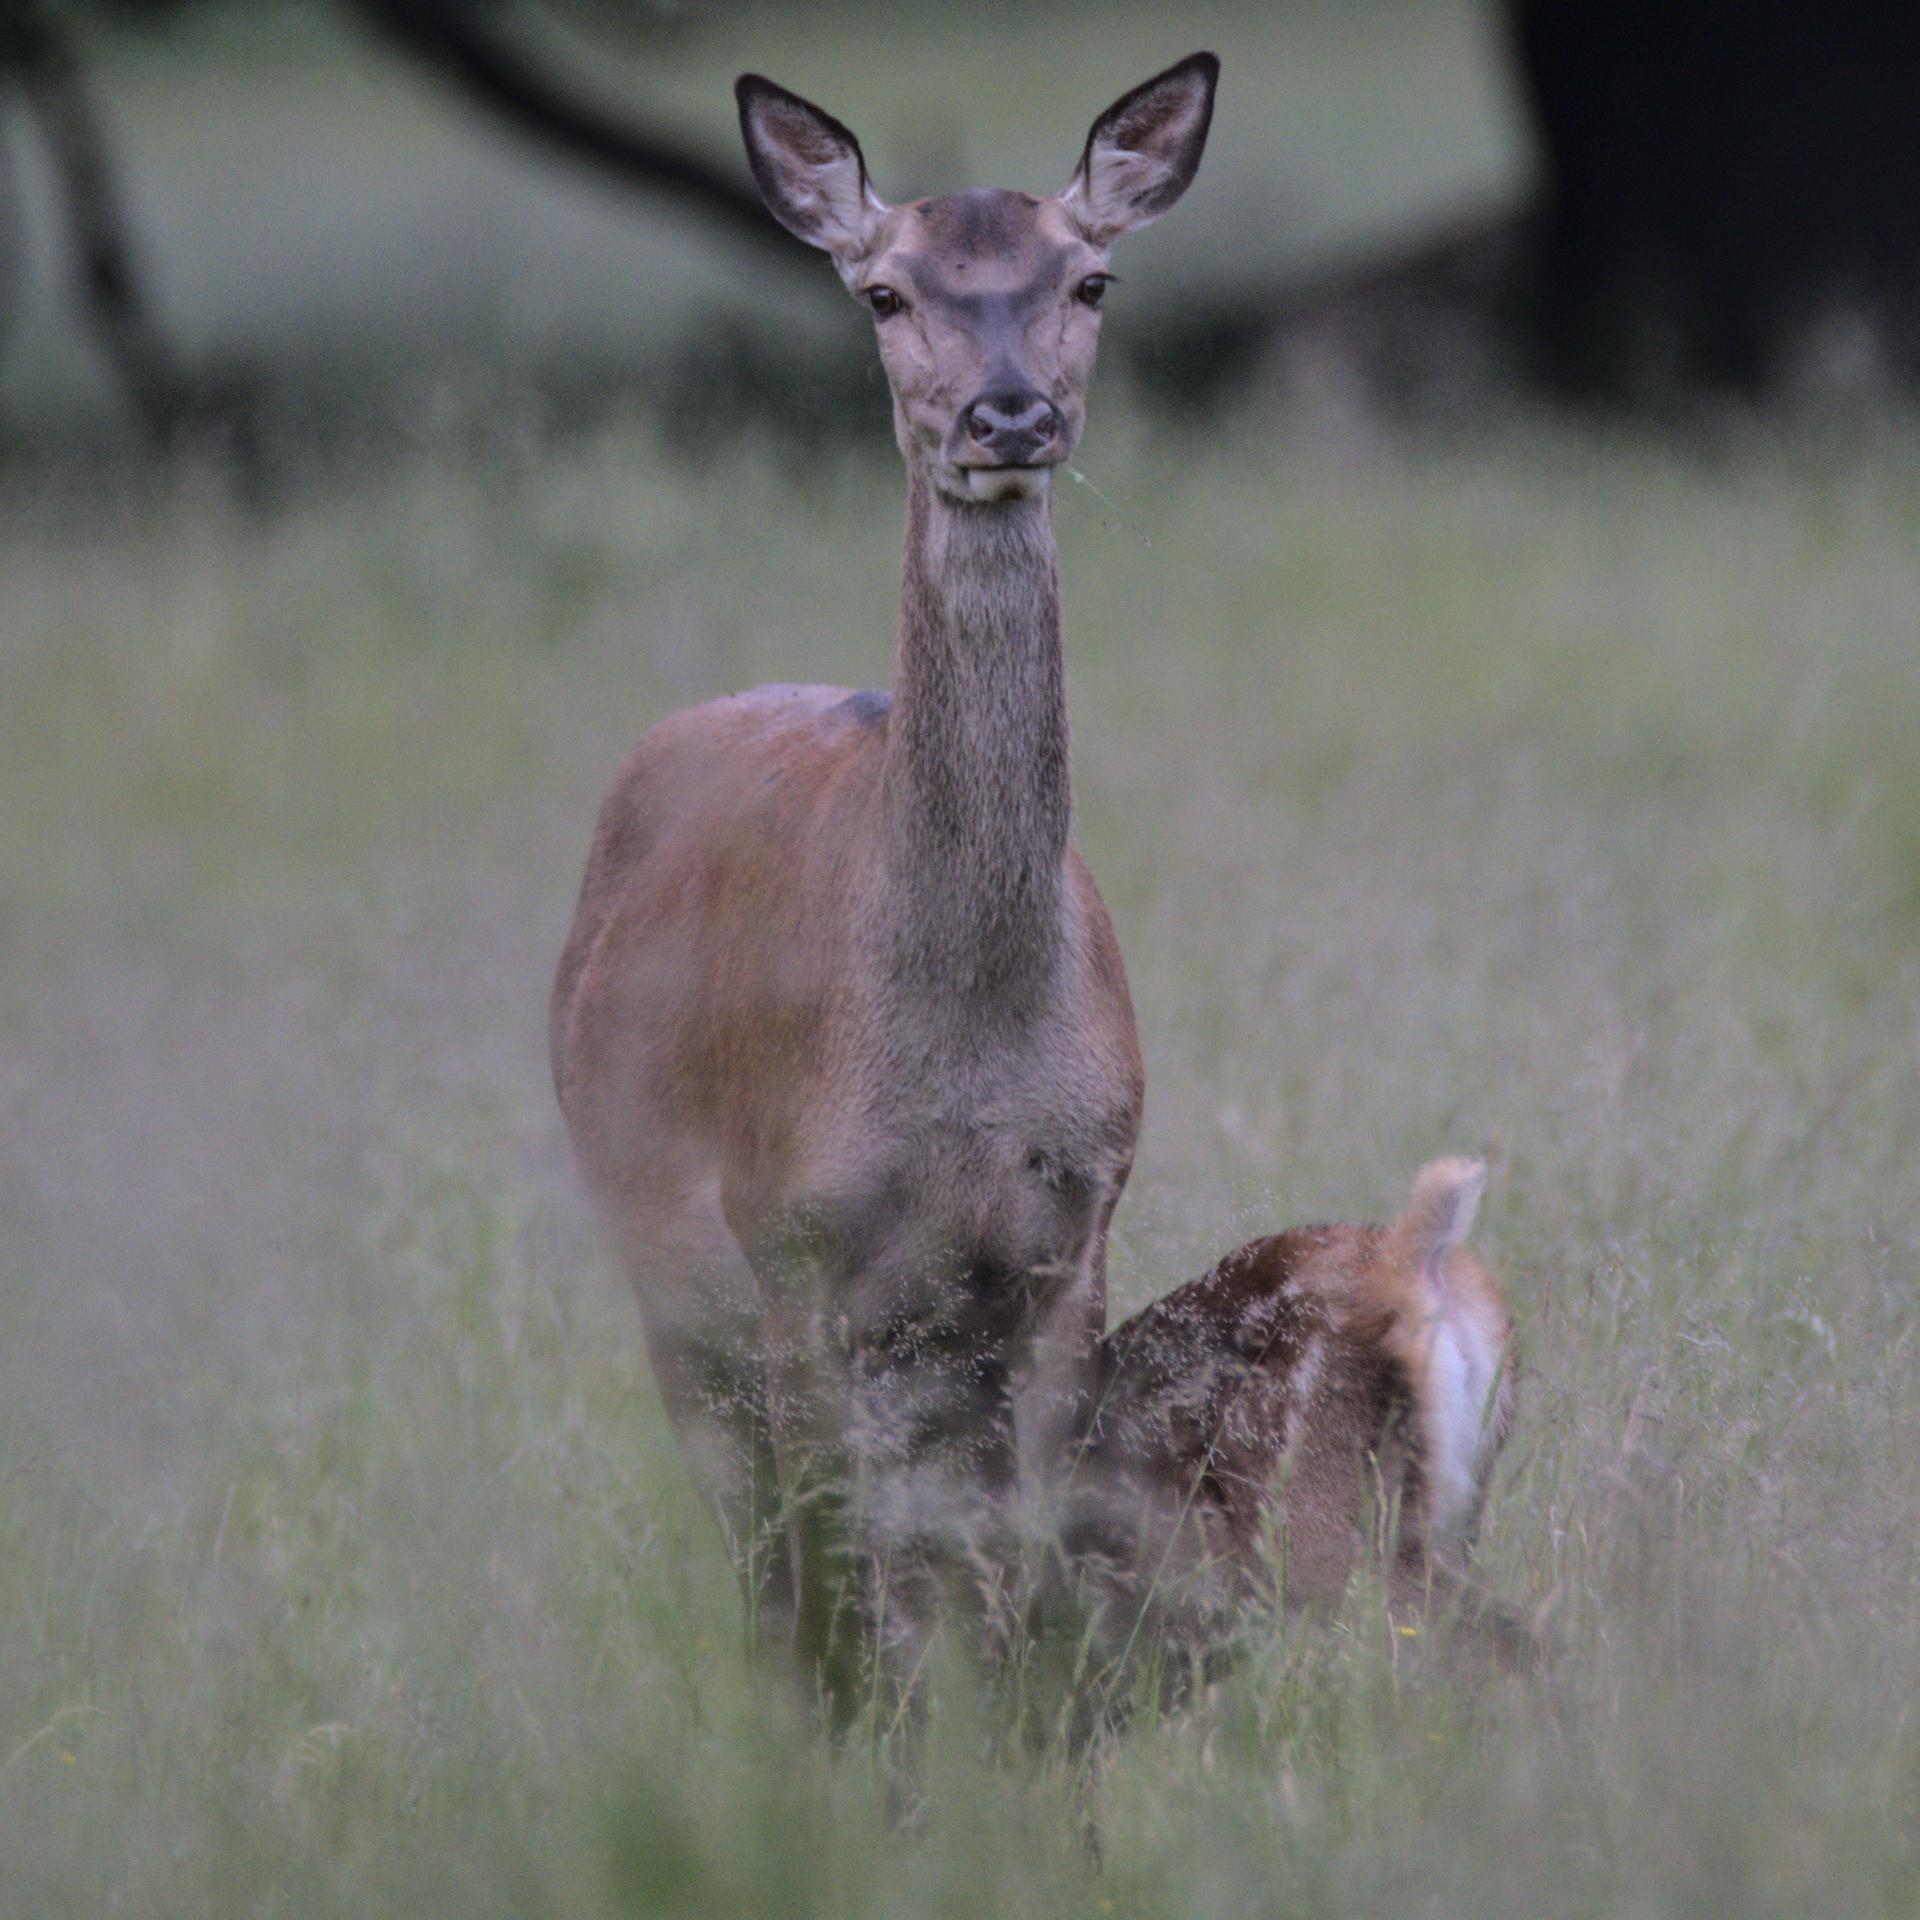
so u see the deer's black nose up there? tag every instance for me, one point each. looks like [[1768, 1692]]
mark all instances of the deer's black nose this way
[[1011, 428]]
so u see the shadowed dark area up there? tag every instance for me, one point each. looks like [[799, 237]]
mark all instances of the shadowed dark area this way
[[1717, 174]]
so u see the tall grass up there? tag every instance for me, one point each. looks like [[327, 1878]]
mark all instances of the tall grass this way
[[1557, 795]]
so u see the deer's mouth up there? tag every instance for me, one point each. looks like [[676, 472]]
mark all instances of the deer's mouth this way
[[1025, 480]]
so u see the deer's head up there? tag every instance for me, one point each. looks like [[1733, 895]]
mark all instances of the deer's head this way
[[986, 304]]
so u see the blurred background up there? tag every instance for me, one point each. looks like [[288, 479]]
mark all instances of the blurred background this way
[[308, 223], [1493, 626], [292, 224]]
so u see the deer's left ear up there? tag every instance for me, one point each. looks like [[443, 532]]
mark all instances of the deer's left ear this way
[[1143, 151], [809, 169]]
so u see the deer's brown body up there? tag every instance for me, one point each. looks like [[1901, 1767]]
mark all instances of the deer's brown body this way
[[1321, 1393], [842, 1035]]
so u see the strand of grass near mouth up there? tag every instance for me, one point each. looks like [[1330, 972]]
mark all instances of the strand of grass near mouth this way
[[1126, 520]]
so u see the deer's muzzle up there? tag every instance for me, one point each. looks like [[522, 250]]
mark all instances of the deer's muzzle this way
[[1018, 428]]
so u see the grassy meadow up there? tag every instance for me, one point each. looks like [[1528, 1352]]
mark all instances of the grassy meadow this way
[[1554, 793]]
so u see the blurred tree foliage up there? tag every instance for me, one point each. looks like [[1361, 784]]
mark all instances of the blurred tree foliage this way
[[494, 55], [473, 46], [1718, 176]]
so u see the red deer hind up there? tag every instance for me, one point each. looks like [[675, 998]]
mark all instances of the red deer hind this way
[[842, 1035]]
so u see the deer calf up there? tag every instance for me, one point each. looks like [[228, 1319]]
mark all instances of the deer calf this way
[[1323, 1392]]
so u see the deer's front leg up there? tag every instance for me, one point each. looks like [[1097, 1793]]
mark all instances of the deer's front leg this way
[[821, 1484], [699, 1310]]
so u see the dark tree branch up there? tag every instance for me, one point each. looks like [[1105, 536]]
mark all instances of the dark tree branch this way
[[13, 264], [37, 53], [462, 44]]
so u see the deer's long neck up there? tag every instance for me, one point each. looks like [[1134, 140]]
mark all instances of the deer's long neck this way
[[976, 792]]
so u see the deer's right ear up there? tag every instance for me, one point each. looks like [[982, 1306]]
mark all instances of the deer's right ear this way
[[809, 170]]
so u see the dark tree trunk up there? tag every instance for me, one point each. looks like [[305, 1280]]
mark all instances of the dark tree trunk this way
[[38, 55]]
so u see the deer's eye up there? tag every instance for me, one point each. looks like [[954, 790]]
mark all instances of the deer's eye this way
[[883, 300], [1089, 291]]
